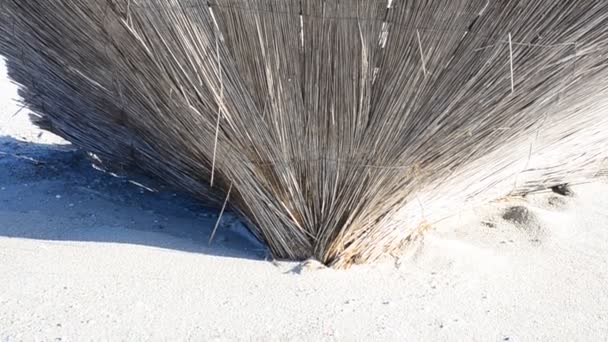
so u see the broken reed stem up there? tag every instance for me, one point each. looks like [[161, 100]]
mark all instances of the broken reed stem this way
[[219, 219], [219, 107], [421, 53], [511, 63]]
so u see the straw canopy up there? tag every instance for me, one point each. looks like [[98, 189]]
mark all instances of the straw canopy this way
[[338, 130]]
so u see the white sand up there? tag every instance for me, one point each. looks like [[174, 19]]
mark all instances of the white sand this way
[[87, 256]]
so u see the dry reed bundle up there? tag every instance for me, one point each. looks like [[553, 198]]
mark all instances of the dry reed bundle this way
[[337, 129]]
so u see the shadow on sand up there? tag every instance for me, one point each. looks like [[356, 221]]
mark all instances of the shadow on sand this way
[[52, 192]]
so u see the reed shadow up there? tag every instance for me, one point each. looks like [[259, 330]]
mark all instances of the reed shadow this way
[[53, 192]]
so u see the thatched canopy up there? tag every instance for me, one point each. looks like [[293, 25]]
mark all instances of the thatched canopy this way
[[337, 129]]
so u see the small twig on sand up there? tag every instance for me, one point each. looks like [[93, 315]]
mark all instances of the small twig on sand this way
[[35, 161]]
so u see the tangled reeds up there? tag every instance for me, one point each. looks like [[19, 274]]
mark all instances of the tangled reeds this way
[[336, 129]]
